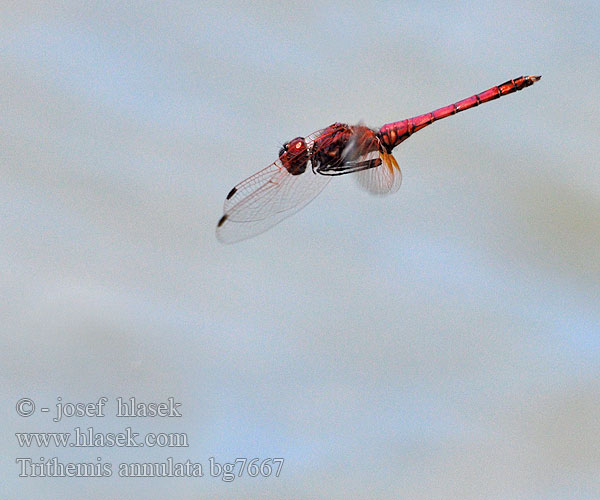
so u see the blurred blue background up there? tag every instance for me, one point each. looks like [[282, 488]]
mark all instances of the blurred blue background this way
[[442, 342]]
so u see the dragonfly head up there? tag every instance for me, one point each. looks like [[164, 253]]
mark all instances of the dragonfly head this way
[[294, 155]]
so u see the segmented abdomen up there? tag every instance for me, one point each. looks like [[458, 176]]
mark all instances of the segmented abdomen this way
[[393, 134]]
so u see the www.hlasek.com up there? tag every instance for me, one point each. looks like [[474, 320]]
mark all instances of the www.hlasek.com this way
[[89, 438], [228, 471]]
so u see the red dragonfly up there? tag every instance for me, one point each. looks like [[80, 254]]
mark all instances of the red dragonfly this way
[[306, 164]]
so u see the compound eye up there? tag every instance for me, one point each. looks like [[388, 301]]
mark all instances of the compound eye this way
[[283, 150]]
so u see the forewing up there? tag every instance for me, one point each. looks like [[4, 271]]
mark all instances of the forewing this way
[[384, 179], [266, 198], [252, 184]]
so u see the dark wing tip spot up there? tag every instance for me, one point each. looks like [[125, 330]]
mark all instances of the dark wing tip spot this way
[[222, 220], [231, 193]]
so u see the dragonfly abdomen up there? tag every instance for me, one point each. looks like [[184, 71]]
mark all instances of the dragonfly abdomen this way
[[392, 134]]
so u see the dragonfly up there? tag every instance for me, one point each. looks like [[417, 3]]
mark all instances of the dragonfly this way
[[306, 165]]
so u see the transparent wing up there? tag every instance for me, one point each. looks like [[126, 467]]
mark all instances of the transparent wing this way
[[252, 184], [266, 198], [384, 179]]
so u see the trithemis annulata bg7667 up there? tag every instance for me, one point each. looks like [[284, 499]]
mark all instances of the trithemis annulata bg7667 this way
[[306, 164]]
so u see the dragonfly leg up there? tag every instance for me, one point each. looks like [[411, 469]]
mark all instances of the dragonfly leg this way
[[348, 167]]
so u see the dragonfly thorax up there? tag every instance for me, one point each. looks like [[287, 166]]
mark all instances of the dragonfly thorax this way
[[342, 148]]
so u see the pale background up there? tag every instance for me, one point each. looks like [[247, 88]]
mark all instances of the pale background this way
[[441, 343]]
